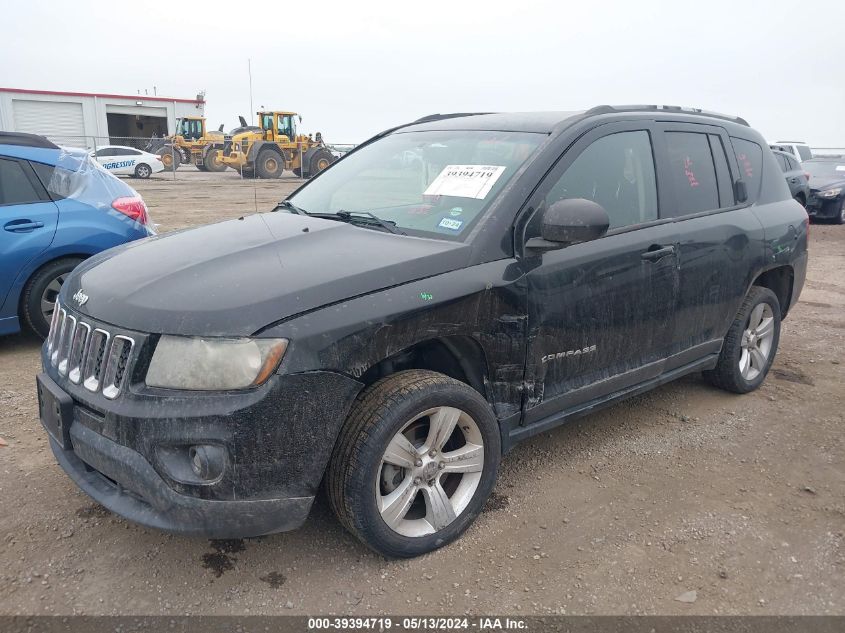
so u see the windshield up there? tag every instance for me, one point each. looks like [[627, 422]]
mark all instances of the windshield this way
[[428, 183], [825, 168]]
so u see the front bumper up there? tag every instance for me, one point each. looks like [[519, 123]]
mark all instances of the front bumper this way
[[824, 208], [125, 483], [132, 453]]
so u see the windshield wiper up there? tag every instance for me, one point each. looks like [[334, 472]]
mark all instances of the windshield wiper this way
[[287, 204], [387, 225]]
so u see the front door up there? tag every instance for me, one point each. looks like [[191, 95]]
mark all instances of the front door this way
[[599, 312], [27, 218]]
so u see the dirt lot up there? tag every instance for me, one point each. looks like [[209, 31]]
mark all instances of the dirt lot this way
[[738, 498]]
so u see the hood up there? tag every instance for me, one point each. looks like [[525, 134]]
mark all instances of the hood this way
[[820, 183], [236, 277]]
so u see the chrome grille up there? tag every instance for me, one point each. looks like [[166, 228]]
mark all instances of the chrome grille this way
[[87, 354], [116, 363]]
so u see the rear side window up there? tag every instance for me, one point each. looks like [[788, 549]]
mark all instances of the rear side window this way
[[793, 164], [692, 173], [804, 152], [783, 161], [15, 185], [749, 157]]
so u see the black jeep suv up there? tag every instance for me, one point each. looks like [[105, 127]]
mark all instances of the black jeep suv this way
[[447, 289]]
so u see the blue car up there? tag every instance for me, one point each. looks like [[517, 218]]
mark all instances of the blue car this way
[[57, 207]]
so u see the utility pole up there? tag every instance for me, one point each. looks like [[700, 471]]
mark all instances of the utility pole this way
[[249, 69]]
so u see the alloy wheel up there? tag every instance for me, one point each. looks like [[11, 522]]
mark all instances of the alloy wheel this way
[[430, 471], [49, 296], [757, 341]]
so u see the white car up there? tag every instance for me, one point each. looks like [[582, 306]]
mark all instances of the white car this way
[[128, 161], [799, 149]]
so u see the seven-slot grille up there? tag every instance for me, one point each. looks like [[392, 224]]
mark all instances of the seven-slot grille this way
[[87, 354]]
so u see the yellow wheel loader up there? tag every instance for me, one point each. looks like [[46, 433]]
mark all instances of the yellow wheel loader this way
[[267, 149], [191, 143]]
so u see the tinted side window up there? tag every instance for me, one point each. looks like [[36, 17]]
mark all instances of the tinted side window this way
[[15, 186], [749, 156], [617, 172], [692, 173], [804, 152], [782, 161], [131, 152], [793, 164]]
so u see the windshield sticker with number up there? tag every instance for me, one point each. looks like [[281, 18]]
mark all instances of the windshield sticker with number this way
[[465, 181]]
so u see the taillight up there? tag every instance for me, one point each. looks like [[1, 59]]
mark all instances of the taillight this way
[[132, 207], [807, 176]]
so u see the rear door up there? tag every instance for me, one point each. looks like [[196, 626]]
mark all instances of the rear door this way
[[720, 241], [28, 219]]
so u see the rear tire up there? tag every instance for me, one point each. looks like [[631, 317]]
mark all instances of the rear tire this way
[[750, 344], [840, 219], [269, 164], [143, 171], [41, 291], [450, 442]]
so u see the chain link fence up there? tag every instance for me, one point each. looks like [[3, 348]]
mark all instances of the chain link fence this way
[[123, 155]]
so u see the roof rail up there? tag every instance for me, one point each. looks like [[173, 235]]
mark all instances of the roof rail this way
[[452, 115], [607, 109], [27, 140]]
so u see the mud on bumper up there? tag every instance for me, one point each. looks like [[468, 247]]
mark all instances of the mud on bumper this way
[[96, 464], [129, 455]]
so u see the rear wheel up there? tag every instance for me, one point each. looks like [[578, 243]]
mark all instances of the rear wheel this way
[[40, 293], [414, 463], [269, 164], [143, 171], [840, 219], [750, 344]]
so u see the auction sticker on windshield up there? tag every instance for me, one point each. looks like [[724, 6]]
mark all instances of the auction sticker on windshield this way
[[465, 181]]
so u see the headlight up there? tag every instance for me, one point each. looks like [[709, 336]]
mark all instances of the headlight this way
[[830, 193], [208, 364]]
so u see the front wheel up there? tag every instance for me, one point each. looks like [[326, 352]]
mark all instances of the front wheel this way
[[414, 463], [269, 164], [750, 344], [840, 219], [170, 158]]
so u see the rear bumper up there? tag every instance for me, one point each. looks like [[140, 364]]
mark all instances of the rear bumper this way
[[96, 464]]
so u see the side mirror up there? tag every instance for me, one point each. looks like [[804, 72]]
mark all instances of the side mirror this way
[[740, 190], [570, 221]]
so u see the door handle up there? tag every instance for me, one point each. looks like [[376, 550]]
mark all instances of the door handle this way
[[656, 251], [22, 226]]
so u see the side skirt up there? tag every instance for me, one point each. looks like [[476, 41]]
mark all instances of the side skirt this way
[[512, 433]]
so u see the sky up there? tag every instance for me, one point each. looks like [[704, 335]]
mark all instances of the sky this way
[[352, 69]]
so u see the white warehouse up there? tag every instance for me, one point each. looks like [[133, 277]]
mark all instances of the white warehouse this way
[[83, 119]]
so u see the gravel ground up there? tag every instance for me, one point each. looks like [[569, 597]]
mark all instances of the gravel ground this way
[[686, 500]]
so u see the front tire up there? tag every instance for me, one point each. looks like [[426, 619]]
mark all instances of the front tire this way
[[320, 161], [750, 344], [269, 164], [170, 158], [414, 463], [40, 293], [840, 219], [211, 163]]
